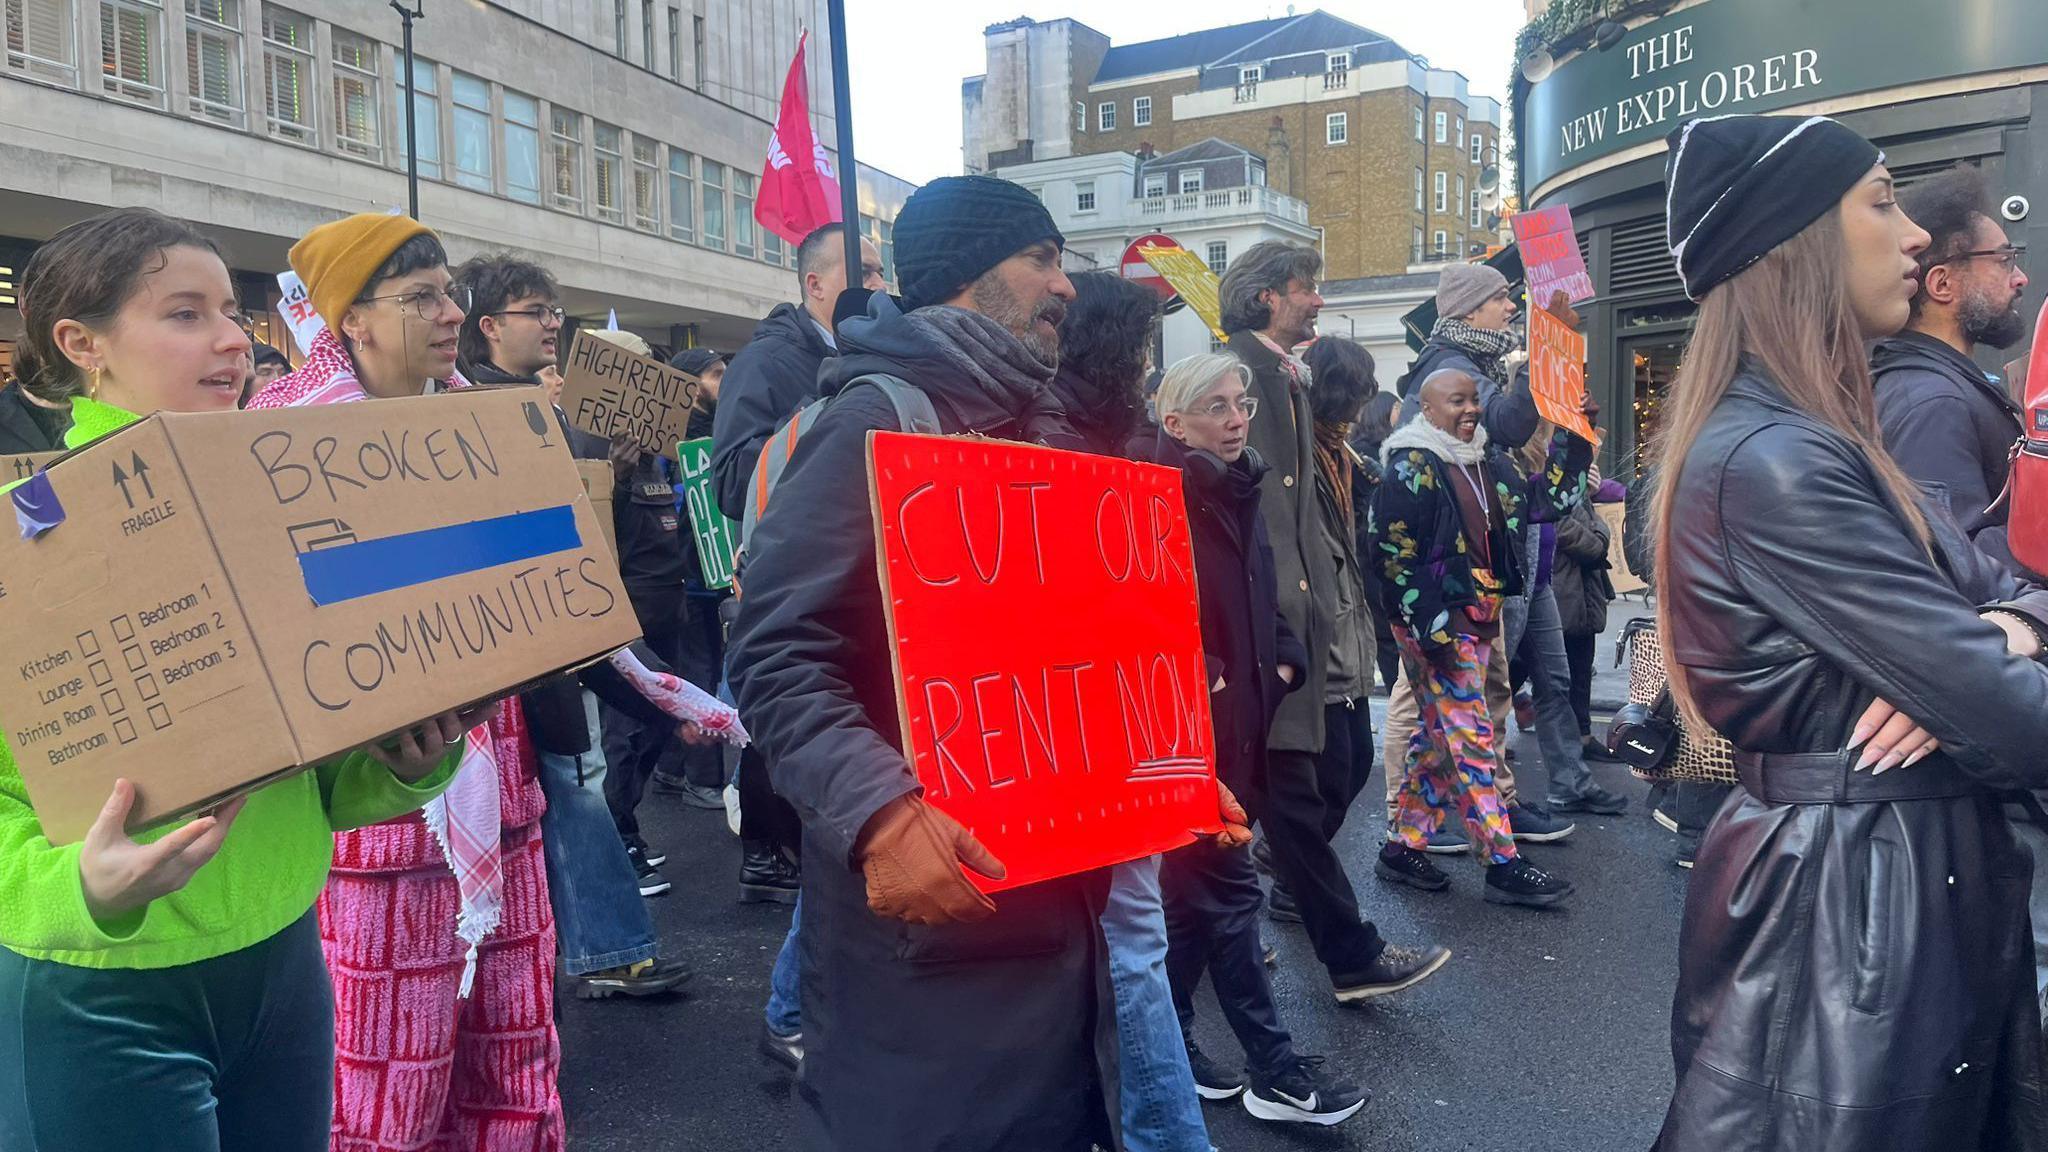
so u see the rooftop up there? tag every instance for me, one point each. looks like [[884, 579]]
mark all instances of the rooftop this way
[[1257, 40]]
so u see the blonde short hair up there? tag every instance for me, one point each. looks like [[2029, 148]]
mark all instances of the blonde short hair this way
[[1190, 379], [630, 341]]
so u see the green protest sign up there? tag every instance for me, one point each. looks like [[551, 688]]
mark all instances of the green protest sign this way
[[717, 536]]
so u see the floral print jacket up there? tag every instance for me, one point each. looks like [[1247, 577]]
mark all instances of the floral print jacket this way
[[1419, 549]]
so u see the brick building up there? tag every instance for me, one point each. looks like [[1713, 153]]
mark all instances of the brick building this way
[[1385, 150]]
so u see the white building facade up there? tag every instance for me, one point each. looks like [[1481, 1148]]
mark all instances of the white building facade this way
[[617, 142]]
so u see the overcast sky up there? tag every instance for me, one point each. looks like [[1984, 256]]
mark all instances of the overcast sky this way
[[907, 60]]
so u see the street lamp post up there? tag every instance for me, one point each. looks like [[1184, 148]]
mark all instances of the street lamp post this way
[[412, 134], [849, 169]]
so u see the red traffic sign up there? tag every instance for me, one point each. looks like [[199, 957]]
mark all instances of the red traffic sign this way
[[1136, 269]]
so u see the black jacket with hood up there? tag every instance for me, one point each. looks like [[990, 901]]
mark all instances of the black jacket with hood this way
[[26, 426], [990, 1035], [1509, 413], [1951, 428], [767, 382]]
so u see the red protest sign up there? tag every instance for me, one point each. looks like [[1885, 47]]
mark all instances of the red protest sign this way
[[1557, 373], [1550, 256], [1048, 653]]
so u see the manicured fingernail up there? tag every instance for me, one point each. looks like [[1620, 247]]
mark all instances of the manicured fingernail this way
[[1888, 763], [1857, 738], [1868, 758], [1917, 757]]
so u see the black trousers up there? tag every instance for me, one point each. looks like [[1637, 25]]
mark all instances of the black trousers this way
[[1212, 903], [632, 749], [702, 656], [764, 815], [1302, 799], [1578, 652]]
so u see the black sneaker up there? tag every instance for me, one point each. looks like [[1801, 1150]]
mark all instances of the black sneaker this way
[[1305, 1094], [1535, 824], [1688, 850], [1280, 906], [654, 859], [1212, 1081], [787, 1051], [1595, 800], [1396, 969], [1593, 751], [651, 882], [646, 978], [1447, 841], [766, 875], [1520, 882], [1404, 865]]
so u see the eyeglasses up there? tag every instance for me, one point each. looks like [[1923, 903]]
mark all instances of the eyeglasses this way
[[1220, 408], [2006, 254], [536, 314], [426, 303]]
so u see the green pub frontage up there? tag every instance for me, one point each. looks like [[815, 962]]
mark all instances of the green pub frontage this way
[[1933, 84]]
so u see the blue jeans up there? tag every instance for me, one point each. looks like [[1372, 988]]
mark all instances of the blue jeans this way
[[1550, 681], [785, 992], [600, 919], [1161, 1112]]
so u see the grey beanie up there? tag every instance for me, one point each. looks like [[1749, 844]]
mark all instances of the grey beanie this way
[[1464, 287]]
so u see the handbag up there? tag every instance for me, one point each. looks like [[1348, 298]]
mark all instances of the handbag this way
[[1671, 750]]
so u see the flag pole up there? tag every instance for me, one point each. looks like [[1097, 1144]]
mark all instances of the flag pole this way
[[849, 171]]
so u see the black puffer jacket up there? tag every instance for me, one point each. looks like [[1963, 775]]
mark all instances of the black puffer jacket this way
[[1855, 970], [767, 382]]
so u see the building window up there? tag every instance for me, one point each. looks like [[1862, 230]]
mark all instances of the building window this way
[[1441, 241], [130, 65], [1418, 131], [288, 75], [355, 96], [1336, 128], [608, 144], [427, 107], [472, 132], [619, 27], [1080, 117], [1219, 256], [1478, 217], [647, 34], [675, 44], [1258, 175], [565, 152], [1339, 64], [743, 223], [646, 184], [697, 49], [1084, 196], [1443, 191], [682, 196], [1458, 131], [712, 180], [1461, 194], [1105, 114], [213, 59], [41, 39], [885, 241], [1443, 127], [522, 147], [1155, 185], [1417, 257], [771, 247], [1141, 111], [1478, 142], [1418, 189], [1248, 78], [1190, 180]]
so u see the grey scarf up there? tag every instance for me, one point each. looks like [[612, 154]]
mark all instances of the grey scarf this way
[[1486, 348], [988, 354]]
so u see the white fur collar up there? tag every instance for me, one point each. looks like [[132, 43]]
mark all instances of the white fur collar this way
[[1420, 433]]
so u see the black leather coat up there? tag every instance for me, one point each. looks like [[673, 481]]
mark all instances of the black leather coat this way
[[1855, 972]]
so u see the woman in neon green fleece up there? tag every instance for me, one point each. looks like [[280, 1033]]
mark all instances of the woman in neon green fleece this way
[[168, 992]]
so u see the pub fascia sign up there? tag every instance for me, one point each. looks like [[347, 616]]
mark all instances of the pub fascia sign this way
[[1659, 103]]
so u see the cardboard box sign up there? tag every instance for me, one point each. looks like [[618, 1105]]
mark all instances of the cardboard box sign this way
[[609, 392], [220, 599], [598, 482], [1051, 686], [23, 465]]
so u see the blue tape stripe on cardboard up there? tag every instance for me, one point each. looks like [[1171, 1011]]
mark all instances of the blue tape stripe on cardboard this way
[[366, 567]]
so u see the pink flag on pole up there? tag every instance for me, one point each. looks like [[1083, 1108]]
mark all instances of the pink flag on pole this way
[[798, 192]]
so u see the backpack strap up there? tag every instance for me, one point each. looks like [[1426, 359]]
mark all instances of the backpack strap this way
[[914, 413]]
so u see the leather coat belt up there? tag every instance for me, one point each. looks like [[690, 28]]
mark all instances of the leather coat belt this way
[[1831, 778]]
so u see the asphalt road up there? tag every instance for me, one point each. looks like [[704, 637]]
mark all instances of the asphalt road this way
[[1547, 1032]]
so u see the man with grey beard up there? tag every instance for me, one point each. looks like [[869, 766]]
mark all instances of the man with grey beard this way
[[1949, 423]]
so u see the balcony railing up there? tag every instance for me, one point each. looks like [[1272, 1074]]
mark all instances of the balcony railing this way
[[1248, 92], [1337, 80], [1224, 201]]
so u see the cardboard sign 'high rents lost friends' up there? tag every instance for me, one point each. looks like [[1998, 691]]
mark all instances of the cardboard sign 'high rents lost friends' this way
[[1048, 649], [203, 603], [609, 392]]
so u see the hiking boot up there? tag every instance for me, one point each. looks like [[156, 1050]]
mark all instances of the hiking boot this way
[[1595, 800], [1534, 824], [652, 883], [1404, 865], [646, 978], [766, 875], [1305, 1094], [1280, 905], [1396, 970], [787, 1051], [1212, 1081], [1447, 841], [1520, 882]]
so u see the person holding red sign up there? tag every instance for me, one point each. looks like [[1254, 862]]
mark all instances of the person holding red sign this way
[[1443, 522]]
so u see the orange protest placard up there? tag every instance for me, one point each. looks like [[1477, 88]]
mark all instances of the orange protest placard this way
[[1557, 373], [1051, 685]]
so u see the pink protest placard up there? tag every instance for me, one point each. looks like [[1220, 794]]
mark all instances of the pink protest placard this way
[[1550, 256]]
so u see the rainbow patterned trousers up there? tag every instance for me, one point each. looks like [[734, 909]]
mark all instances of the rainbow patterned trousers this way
[[1450, 757]]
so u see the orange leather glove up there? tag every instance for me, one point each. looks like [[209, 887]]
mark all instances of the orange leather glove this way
[[1237, 830], [911, 854]]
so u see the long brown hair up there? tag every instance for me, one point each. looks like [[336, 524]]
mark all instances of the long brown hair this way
[[1790, 312]]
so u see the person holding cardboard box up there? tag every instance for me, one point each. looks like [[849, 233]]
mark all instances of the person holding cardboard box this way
[[170, 986], [481, 1065]]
